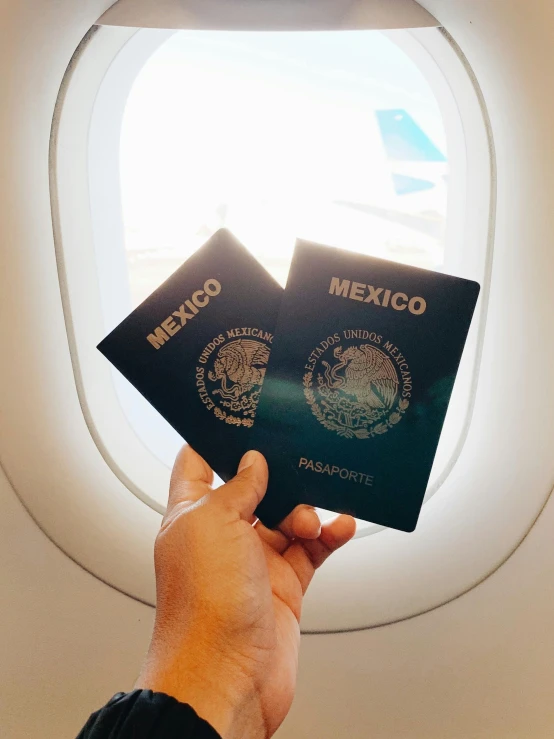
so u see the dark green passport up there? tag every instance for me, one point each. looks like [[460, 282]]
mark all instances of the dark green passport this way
[[358, 384], [197, 348]]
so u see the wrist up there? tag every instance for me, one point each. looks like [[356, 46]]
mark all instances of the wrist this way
[[218, 692]]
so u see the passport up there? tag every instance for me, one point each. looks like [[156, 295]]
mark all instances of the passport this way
[[197, 348], [357, 388]]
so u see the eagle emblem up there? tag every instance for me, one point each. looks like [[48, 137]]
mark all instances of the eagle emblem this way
[[240, 370], [355, 392], [230, 382]]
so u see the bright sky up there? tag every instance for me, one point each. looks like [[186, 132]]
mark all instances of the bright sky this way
[[262, 132]]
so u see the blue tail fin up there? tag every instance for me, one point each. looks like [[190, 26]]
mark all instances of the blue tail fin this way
[[404, 140], [404, 185]]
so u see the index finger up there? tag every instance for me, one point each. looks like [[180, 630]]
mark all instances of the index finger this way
[[306, 556], [301, 523]]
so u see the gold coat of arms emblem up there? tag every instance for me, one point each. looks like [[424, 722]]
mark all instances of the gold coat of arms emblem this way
[[231, 381], [356, 391]]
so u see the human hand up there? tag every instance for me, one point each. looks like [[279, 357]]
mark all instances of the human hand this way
[[229, 597]]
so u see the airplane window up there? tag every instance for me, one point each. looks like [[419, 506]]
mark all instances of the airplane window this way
[[348, 138], [376, 141], [334, 137]]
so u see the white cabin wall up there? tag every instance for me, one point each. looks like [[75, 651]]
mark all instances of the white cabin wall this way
[[67, 641]]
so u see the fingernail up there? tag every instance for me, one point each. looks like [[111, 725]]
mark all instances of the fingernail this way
[[247, 461]]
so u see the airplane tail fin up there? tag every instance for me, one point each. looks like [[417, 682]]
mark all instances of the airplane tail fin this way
[[404, 140]]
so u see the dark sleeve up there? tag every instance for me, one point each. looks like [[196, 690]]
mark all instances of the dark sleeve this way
[[143, 714]]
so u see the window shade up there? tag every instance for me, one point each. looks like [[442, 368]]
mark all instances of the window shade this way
[[270, 15]]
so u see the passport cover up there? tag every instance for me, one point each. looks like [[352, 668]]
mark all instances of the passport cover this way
[[357, 388], [197, 348]]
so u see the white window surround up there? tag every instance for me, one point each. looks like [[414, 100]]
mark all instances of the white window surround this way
[[96, 87], [279, 15]]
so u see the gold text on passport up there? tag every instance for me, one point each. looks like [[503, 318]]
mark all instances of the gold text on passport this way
[[186, 312], [377, 295], [332, 469], [375, 338]]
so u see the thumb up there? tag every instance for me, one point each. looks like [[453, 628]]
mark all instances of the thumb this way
[[191, 478], [245, 491]]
